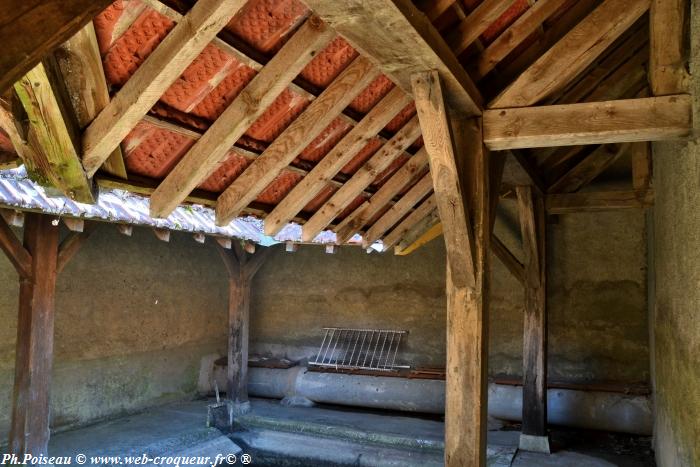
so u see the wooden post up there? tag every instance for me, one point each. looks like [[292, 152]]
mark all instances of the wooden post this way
[[459, 165], [241, 267], [29, 432], [532, 225]]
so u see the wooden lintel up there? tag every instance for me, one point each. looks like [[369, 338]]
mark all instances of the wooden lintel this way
[[629, 120]]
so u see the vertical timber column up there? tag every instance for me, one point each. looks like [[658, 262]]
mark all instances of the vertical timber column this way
[[29, 432], [459, 166], [533, 230]]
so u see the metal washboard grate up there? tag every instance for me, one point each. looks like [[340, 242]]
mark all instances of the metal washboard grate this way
[[360, 349]]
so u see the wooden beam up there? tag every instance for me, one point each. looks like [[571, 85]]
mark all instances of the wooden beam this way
[[125, 229], [515, 35], [299, 134], [437, 8], [29, 429], [629, 120], [361, 180], [155, 75], [74, 224], [13, 217], [398, 210], [509, 260], [15, 252], [212, 148], [70, 246], [55, 161], [80, 64], [241, 268], [668, 58], [400, 231], [336, 159], [572, 54], [402, 41], [432, 113], [589, 168], [598, 201], [291, 247], [427, 236], [370, 208], [162, 234], [641, 166], [532, 227], [469, 30], [530, 170], [31, 29]]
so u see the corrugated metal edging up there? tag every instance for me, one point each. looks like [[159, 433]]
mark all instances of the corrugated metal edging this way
[[17, 191]]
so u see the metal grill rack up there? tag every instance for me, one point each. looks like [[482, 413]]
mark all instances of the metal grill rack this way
[[359, 349]]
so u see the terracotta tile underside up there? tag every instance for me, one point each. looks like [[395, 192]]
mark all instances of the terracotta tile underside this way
[[215, 78]]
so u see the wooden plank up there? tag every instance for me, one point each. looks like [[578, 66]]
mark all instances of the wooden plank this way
[[80, 64], [162, 67], [512, 37], [533, 232], [641, 166], [361, 179], [469, 30], [336, 159], [212, 148], [598, 201], [15, 252], [402, 41], [398, 210], [70, 246], [287, 146], [437, 137], [55, 160], [420, 213], [427, 236], [668, 58], [589, 168], [629, 120], [29, 429], [572, 54], [31, 29], [370, 208], [509, 260], [437, 8]]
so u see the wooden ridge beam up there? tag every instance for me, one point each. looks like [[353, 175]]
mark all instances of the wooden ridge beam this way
[[54, 161], [572, 54], [515, 35], [361, 179], [402, 41], [160, 69], [469, 29], [398, 210], [336, 159], [212, 148], [31, 29], [598, 201], [299, 134], [629, 120], [370, 208], [668, 58], [80, 65]]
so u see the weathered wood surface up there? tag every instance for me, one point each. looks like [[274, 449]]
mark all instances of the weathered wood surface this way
[[668, 56], [598, 201]]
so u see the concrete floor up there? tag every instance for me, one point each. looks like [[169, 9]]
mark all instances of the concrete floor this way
[[330, 436]]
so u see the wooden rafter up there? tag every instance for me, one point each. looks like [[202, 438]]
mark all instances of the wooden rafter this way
[[80, 64], [162, 67], [370, 208], [361, 179], [54, 161], [589, 168], [336, 159], [668, 73], [411, 242], [212, 148], [30, 29], [515, 35], [402, 41], [398, 210], [285, 148], [400, 231], [572, 54], [645, 119], [476, 23]]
